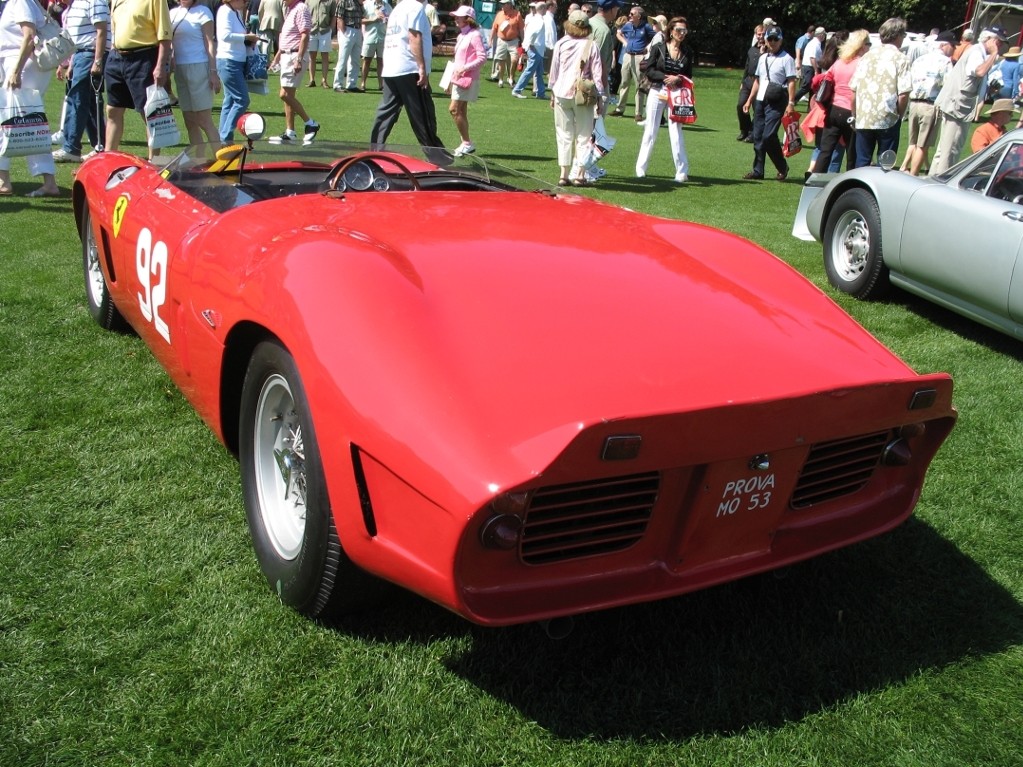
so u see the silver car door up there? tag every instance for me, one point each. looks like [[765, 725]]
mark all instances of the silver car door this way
[[963, 239]]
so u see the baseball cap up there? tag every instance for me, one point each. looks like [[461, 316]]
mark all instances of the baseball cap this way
[[820, 31], [999, 32], [946, 37], [773, 32], [607, 5], [464, 10]]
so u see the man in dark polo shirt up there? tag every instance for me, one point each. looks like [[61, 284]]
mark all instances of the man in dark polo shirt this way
[[140, 57]]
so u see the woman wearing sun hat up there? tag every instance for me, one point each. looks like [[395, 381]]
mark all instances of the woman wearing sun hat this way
[[465, 80], [574, 54]]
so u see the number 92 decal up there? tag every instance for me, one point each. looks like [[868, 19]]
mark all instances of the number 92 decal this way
[[151, 268]]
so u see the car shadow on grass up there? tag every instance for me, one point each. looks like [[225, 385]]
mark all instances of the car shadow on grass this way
[[962, 326], [760, 652]]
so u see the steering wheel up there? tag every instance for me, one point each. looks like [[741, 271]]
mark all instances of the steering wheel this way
[[1009, 185], [337, 172]]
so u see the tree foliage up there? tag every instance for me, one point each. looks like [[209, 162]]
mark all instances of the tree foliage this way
[[722, 32]]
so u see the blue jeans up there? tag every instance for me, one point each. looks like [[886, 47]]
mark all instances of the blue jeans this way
[[236, 96], [534, 68], [868, 140], [766, 121], [81, 105]]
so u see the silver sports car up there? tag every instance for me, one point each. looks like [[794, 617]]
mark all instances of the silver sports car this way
[[955, 239]]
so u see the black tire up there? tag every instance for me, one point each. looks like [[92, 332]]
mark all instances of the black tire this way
[[97, 293], [286, 501], [853, 256]]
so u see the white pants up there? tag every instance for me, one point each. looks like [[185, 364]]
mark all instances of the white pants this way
[[31, 77], [573, 126], [348, 67], [655, 107]]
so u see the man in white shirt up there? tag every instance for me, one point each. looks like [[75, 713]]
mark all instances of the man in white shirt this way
[[533, 42], [408, 53], [810, 62]]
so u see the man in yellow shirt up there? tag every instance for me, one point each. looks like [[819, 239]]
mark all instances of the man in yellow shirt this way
[[140, 57]]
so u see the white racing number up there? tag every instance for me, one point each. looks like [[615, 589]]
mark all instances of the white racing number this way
[[151, 267], [748, 494]]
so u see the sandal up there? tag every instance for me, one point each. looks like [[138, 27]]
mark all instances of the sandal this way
[[6, 192], [563, 181], [43, 193], [581, 182]]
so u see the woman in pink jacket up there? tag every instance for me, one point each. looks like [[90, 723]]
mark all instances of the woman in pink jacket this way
[[465, 80]]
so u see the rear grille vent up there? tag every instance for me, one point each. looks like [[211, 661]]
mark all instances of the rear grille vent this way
[[838, 468], [587, 518]]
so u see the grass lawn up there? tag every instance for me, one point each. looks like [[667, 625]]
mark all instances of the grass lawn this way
[[136, 629]]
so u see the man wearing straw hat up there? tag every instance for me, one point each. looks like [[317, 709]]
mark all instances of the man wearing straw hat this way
[[998, 116]]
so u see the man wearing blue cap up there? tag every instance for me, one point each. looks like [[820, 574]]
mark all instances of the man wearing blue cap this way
[[964, 87], [600, 31]]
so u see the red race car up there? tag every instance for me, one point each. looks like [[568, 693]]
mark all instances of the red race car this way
[[519, 403]]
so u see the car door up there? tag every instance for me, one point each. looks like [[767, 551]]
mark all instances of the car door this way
[[151, 220], [963, 238]]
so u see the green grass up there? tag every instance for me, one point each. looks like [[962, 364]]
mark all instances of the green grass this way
[[136, 629]]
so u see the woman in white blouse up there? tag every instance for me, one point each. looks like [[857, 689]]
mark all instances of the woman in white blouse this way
[[574, 54], [195, 70]]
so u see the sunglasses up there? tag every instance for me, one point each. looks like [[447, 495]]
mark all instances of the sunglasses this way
[[680, 29], [773, 38]]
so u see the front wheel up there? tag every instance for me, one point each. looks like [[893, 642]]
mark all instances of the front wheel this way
[[852, 246], [97, 292], [286, 500]]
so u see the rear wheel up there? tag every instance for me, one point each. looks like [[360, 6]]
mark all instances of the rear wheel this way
[[97, 293], [852, 246], [286, 501]]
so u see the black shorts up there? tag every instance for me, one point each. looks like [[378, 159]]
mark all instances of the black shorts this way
[[127, 75]]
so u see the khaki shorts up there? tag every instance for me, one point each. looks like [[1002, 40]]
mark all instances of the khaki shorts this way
[[923, 124], [289, 77], [192, 82], [320, 43], [504, 49]]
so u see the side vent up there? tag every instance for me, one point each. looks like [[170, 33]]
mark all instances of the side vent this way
[[586, 519], [838, 468]]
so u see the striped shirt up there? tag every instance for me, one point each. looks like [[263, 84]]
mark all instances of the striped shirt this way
[[80, 22]]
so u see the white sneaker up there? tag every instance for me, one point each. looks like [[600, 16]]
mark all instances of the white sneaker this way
[[57, 138], [285, 138], [500, 83], [311, 129], [681, 178], [519, 94], [466, 147], [60, 155], [93, 153]]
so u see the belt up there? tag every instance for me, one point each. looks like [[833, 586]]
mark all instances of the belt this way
[[926, 101], [140, 49]]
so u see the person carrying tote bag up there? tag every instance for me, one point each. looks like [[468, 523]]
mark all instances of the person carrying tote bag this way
[[670, 67], [19, 24]]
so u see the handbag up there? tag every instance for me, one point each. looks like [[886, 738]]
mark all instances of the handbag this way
[[825, 90], [53, 45], [644, 84], [793, 144], [585, 89], [24, 129], [682, 103], [256, 64]]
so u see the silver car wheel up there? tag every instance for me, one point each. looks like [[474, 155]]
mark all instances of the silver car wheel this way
[[850, 245], [280, 476]]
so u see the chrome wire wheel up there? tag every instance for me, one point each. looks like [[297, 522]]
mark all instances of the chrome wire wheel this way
[[95, 282], [850, 245], [280, 471]]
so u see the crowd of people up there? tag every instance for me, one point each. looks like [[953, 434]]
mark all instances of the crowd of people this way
[[857, 93]]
